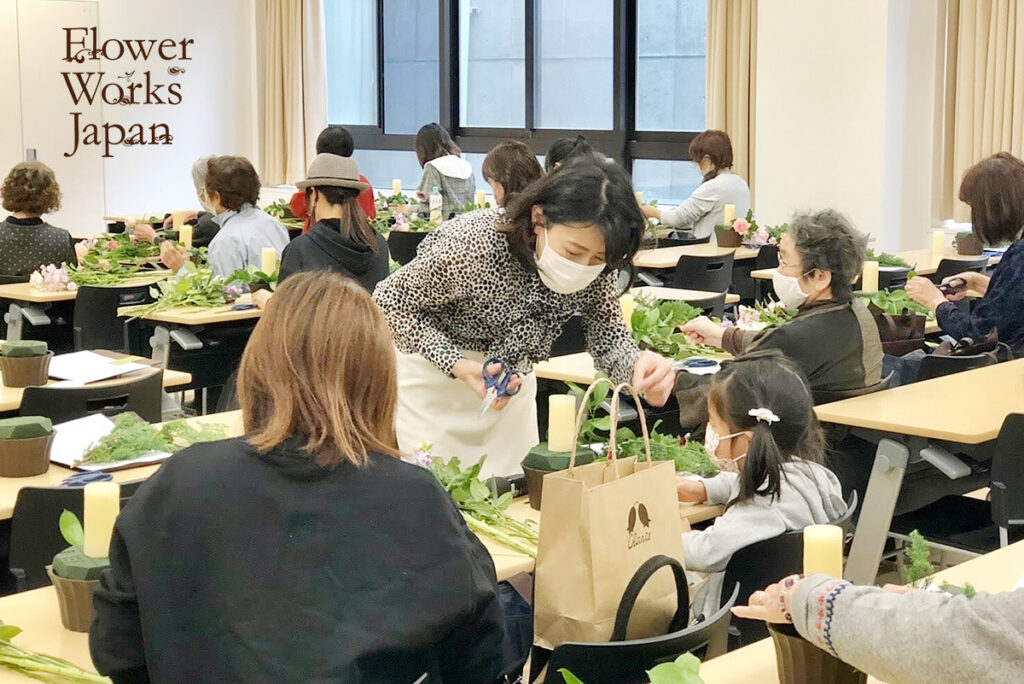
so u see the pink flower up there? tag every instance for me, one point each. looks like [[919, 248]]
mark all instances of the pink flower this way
[[761, 236], [50, 279], [741, 226], [113, 244]]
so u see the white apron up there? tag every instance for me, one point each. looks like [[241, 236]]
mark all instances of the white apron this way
[[435, 408]]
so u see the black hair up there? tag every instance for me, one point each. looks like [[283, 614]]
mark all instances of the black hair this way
[[582, 192], [568, 150], [771, 381], [433, 141], [353, 223], [335, 140]]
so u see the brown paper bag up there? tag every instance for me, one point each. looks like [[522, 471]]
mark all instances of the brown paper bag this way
[[599, 523]]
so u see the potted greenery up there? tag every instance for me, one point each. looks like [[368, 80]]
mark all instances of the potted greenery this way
[[729, 236], [968, 244], [24, 363], [75, 576], [25, 446], [256, 279]]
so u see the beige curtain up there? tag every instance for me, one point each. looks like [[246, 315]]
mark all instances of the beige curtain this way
[[984, 102], [731, 72], [294, 88]]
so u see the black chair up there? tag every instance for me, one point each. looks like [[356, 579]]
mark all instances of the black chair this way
[[141, 394], [950, 267], [96, 324], [756, 566], [713, 306], [933, 366], [767, 257], [626, 662], [677, 239], [892, 278], [973, 525], [12, 279], [35, 534], [710, 273], [403, 245]]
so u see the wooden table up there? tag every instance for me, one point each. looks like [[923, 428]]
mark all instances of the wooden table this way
[[668, 257], [923, 261], [578, 368], [923, 422], [182, 318], [678, 294], [994, 572]]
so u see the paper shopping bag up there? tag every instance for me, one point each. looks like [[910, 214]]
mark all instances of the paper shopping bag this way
[[599, 523]]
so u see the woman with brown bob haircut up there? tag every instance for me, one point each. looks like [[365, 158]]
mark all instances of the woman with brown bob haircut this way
[[305, 550], [994, 189], [26, 241], [711, 151], [509, 168]]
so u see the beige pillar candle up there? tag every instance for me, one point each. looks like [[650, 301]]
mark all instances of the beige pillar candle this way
[[869, 278], [628, 304], [102, 504], [396, 186], [185, 236], [639, 197], [268, 260], [823, 550], [728, 214], [177, 219], [480, 199], [938, 242], [561, 422]]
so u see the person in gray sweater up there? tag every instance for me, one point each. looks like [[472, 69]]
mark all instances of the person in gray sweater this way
[[442, 168], [760, 417], [927, 637]]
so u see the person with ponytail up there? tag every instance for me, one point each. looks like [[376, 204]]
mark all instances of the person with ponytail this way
[[568, 150], [711, 151], [763, 436]]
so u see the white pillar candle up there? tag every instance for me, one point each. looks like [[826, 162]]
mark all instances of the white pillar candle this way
[[480, 199], [177, 219], [185, 236], [823, 550], [627, 303], [268, 260], [561, 422], [396, 186], [869, 278], [102, 504], [729, 214], [639, 197], [938, 242]]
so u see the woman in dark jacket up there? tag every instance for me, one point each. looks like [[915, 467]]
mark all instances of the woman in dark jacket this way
[[307, 551], [341, 238], [26, 241]]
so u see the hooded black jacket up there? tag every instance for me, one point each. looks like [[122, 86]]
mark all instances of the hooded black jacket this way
[[324, 248], [234, 566]]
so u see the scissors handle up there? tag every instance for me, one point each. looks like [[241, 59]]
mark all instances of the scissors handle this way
[[499, 381]]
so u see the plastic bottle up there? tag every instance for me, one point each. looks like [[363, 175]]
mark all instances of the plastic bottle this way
[[436, 202]]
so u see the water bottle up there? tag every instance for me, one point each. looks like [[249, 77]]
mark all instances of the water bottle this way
[[436, 201]]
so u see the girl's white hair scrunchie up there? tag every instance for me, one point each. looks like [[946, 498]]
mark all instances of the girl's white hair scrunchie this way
[[763, 415]]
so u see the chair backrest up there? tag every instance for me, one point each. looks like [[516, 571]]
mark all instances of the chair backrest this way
[[96, 323], [710, 273], [713, 306], [677, 239], [934, 366], [949, 267], [403, 245], [767, 257], [141, 394], [626, 662], [1006, 488], [12, 279], [892, 278], [35, 535], [827, 396]]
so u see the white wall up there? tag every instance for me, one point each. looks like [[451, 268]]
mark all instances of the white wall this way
[[217, 113], [846, 110], [10, 83]]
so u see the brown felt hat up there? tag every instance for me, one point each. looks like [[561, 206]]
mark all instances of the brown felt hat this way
[[332, 169]]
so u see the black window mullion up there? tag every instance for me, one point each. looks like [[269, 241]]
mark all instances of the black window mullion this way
[[448, 63], [380, 66], [530, 63]]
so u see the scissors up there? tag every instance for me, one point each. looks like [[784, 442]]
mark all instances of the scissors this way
[[82, 479], [497, 384], [953, 286]]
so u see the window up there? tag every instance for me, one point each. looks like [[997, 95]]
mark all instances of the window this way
[[411, 65], [352, 88], [670, 76], [382, 166], [492, 64], [574, 82], [669, 182]]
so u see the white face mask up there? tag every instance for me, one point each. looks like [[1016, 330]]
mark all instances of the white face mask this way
[[787, 288], [711, 441], [562, 275]]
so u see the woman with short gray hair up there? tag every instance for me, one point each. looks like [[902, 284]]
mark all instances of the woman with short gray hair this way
[[832, 337], [205, 227]]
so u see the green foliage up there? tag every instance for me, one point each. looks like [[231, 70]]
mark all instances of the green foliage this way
[[471, 206], [97, 277], [919, 555], [655, 327], [969, 590], [197, 286], [593, 429], [251, 275], [885, 259], [118, 248], [688, 456], [38, 666], [386, 201], [281, 209], [132, 437], [684, 670], [895, 303], [71, 528], [569, 677]]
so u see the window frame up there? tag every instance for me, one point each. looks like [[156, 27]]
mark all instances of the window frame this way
[[623, 142]]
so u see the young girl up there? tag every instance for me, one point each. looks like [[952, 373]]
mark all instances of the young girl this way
[[443, 168], [763, 435]]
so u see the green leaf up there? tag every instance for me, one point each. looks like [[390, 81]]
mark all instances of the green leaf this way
[[71, 528], [569, 677], [8, 632], [684, 670], [601, 423]]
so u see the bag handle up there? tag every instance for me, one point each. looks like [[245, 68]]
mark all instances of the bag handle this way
[[636, 584], [614, 421]]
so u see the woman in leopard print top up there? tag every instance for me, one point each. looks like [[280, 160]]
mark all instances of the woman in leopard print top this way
[[481, 286]]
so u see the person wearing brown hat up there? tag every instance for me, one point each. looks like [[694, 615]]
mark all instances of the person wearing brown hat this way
[[341, 238]]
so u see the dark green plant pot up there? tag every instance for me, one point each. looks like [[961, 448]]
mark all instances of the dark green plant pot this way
[[801, 662]]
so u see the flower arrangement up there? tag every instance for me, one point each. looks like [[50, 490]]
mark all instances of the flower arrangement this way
[[762, 315], [756, 235], [52, 278], [282, 211]]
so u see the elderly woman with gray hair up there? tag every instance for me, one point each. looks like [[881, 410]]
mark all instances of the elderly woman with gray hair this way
[[833, 337], [205, 227]]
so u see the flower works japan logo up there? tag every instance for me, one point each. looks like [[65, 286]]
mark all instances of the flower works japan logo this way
[[638, 535], [131, 87]]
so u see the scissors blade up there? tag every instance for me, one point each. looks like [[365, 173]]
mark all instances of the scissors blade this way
[[492, 394]]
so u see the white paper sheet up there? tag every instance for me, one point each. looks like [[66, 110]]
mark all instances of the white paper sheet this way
[[75, 437], [86, 366]]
